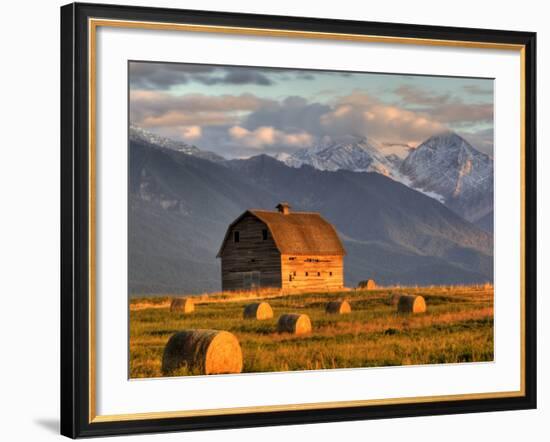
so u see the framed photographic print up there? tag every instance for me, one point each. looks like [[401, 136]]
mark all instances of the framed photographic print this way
[[274, 220]]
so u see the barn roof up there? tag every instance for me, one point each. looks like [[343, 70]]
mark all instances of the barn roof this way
[[297, 233]]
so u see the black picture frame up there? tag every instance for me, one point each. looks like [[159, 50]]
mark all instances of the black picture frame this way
[[75, 221]]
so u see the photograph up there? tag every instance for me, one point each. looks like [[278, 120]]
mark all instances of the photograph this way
[[279, 217], [284, 219]]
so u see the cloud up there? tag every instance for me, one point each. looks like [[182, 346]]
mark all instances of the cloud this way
[[462, 113], [444, 107], [242, 125], [415, 96], [163, 76], [357, 114], [236, 76], [156, 109], [144, 75], [362, 115], [191, 132], [268, 136], [179, 118], [304, 75], [155, 76], [291, 114], [475, 89]]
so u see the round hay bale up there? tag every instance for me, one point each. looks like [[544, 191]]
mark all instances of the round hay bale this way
[[183, 305], [411, 304], [338, 307], [368, 284], [294, 323], [258, 310], [203, 352]]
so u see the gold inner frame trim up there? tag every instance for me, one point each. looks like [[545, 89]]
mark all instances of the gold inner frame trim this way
[[93, 24], [297, 407], [298, 34]]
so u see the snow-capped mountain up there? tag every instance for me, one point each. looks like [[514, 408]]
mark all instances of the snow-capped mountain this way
[[449, 166], [445, 167], [357, 154], [137, 133]]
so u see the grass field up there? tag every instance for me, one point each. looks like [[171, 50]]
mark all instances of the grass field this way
[[458, 327]]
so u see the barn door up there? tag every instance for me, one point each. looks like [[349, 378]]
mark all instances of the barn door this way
[[251, 280]]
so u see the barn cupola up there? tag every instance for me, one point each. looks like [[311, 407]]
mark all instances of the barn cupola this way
[[283, 208]]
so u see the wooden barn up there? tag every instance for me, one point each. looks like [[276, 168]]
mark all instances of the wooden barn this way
[[292, 251]]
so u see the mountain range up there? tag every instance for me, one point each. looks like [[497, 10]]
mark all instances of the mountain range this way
[[445, 167], [181, 202], [357, 154], [138, 134]]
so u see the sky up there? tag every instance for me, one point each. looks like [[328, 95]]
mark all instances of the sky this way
[[239, 111]]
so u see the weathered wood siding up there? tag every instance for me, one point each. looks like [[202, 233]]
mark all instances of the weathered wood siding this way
[[312, 273], [251, 262]]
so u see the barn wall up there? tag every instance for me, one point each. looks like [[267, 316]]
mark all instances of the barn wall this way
[[251, 254], [318, 269]]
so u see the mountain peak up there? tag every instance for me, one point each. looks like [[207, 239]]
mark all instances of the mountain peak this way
[[357, 154], [445, 146], [446, 164], [138, 134], [446, 139], [447, 135]]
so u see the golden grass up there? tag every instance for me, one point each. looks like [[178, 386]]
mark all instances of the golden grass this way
[[164, 301], [457, 327]]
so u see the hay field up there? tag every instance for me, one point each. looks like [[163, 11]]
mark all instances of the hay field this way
[[457, 327]]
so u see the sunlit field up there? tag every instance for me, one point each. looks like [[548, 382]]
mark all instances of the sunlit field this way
[[457, 327]]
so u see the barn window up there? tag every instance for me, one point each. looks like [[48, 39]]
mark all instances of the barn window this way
[[236, 236], [318, 273], [330, 273], [264, 234], [307, 274]]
